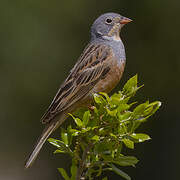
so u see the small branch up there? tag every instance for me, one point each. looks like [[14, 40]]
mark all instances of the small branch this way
[[83, 162]]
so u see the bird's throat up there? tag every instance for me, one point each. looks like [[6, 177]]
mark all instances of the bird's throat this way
[[115, 37]]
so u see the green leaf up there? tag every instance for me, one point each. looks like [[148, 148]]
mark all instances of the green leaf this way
[[64, 174], [75, 132], [126, 160], [58, 151], [56, 142], [120, 172], [99, 99], [116, 98], [86, 118], [121, 160], [64, 136], [99, 171], [128, 143], [77, 121], [73, 171], [95, 110], [139, 110], [134, 125], [69, 128], [124, 117], [111, 113], [101, 147], [84, 130], [113, 135], [123, 107], [152, 108], [105, 95], [145, 110], [130, 86], [96, 138], [140, 137], [119, 149], [62, 147], [80, 112]]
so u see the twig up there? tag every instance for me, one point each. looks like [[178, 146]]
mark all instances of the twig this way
[[83, 162]]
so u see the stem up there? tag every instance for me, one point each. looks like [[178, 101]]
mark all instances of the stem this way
[[82, 163]]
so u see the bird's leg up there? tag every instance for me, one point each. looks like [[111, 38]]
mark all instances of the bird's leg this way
[[91, 107]]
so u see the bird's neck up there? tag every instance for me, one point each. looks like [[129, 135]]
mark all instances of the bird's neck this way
[[116, 45], [112, 38], [101, 37]]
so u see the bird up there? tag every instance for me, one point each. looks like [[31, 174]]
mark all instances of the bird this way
[[98, 69]]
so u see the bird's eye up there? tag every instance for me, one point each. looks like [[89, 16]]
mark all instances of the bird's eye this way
[[108, 20]]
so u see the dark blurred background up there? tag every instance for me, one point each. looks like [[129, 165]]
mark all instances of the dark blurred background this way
[[40, 40]]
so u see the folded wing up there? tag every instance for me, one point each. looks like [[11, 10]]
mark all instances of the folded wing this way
[[92, 66]]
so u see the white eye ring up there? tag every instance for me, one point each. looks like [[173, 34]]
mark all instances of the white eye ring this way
[[108, 21]]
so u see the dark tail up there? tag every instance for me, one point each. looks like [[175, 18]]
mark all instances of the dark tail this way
[[42, 139]]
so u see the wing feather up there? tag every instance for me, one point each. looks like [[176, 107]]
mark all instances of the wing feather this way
[[92, 66]]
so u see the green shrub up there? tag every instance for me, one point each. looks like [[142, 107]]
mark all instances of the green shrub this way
[[95, 143]]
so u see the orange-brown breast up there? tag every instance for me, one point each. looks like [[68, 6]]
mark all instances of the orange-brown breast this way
[[104, 85], [112, 79]]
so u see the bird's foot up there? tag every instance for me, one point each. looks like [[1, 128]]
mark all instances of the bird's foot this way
[[91, 108]]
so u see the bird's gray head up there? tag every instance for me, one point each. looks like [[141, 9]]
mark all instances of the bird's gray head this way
[[108, 26]]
